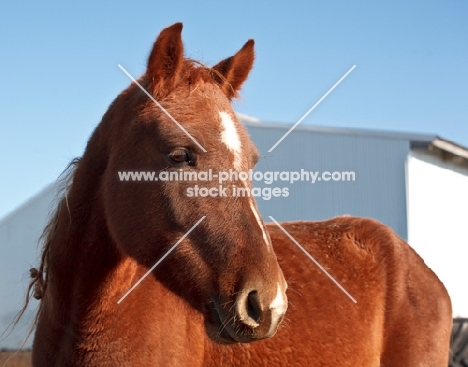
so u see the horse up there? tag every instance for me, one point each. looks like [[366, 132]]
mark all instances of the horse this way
[[219, 294]]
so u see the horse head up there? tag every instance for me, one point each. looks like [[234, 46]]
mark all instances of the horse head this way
[[186, 126]]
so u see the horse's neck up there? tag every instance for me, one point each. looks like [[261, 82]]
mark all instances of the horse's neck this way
[[88, 275], [81, 252], [81, 256]]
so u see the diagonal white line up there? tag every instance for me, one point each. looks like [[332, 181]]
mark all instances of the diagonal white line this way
[[161, 259], [312, 108], [162, 108], [315, 261]]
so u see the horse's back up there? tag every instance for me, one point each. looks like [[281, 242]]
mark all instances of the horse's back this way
[[402, 316]]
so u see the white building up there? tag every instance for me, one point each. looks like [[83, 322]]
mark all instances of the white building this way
[[19, 251], [438, 215]]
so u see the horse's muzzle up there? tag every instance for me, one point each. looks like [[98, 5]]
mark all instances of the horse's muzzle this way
[[249, 318]]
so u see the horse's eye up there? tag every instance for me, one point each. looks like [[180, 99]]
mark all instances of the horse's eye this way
[[180, 155]]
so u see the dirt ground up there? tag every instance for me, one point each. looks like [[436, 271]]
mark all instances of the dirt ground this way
[[20, 359]]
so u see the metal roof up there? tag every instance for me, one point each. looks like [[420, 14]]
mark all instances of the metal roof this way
[[382, 134], [434, 144]]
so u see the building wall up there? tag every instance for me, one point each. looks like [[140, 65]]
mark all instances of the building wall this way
[[19, 234], [379, 189], [438, 222]]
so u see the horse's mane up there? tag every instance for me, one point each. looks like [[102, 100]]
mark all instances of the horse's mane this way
[[38, 282]]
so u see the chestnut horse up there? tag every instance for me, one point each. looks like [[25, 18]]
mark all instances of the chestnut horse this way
[[219, 296]]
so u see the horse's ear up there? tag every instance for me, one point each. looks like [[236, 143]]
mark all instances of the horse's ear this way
[[235, 69], [165, 60]]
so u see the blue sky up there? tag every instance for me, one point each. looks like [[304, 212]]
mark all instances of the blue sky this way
[[59, 68]]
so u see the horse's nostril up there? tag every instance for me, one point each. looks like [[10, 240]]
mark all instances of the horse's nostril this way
[[254, 309]]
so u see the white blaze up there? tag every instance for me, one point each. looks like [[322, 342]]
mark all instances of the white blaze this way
[[278, 308], [279, 303], [260, 223], [230, 137]]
